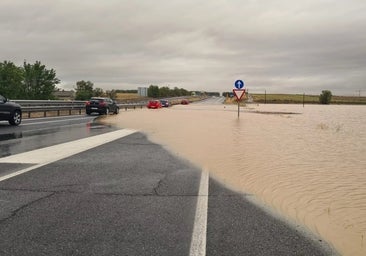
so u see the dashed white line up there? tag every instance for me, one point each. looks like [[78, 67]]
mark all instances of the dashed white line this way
[[198, 242]]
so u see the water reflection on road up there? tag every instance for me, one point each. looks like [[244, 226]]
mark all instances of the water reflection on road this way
[[21, 141]]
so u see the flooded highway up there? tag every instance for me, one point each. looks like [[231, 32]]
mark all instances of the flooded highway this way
[[84, 186], [306, 163]]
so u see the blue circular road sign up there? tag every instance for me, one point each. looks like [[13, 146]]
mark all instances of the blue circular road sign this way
[[239, 84]]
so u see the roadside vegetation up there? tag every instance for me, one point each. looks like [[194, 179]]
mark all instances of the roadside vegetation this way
[[36, 82], [28, 82], [298, 99], [155, 91], [325, 97]]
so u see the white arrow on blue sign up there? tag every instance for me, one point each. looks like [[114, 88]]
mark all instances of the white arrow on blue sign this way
[[239, 84]]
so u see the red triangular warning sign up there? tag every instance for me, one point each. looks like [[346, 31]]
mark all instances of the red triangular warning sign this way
[[239, 93]]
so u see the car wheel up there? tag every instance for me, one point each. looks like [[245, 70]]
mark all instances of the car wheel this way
[[16, 119], [116, 111], [106, 111], [88, 113]]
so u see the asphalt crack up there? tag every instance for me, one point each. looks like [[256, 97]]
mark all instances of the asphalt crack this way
[[158, 185], [14, 212], [56, 192]]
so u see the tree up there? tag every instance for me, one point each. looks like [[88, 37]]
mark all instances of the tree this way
[[164, 91], [177, 92], [153, 91], [11, 78], [98, 92], [112, 94], [39, 82], [184, 92], [325, 97], [84, 90]]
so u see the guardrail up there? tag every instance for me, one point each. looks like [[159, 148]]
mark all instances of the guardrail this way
[[41, 108], [38, 108]]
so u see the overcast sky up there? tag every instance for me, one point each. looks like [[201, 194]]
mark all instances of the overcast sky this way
[[283, 46]]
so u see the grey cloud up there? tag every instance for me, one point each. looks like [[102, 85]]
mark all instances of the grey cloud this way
[[283, 46]]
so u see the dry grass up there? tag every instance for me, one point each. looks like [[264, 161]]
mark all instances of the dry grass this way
[[121, 97], [127, 96], [299, 99]]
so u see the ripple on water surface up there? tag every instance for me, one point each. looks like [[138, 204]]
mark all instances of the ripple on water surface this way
[[308, 162]]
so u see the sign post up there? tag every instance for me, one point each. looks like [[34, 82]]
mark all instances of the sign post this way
[[239, 92]]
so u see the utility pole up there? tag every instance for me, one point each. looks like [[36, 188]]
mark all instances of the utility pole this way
[[265, 97]]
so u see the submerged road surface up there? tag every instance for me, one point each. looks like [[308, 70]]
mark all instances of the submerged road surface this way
[[117, 193]]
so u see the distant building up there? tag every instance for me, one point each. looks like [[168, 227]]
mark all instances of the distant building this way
[[64, 95], [142, 91]]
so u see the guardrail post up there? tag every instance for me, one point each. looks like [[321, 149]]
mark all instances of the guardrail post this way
[[45, 114], [58, 112]]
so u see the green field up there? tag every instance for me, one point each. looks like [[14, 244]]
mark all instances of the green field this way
[[266, 98], [300, 99]]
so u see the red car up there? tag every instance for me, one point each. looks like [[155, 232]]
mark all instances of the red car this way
[[154, 104], [184, 102]]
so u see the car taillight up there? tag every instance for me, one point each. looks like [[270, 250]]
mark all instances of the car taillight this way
[[87, 103], [102, 104]]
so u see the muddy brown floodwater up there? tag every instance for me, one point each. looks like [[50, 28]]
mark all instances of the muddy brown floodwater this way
[[307, 163]]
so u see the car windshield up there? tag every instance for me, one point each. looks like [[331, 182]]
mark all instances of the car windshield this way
[[96, 99]]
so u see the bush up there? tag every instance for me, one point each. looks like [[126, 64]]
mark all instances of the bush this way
[[325, 97]]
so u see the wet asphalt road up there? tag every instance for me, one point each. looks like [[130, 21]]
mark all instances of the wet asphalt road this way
[[126, 197], [43, 132]]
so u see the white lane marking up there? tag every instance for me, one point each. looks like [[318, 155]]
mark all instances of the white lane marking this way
[[44, 156], [198, 243], [13, 174]]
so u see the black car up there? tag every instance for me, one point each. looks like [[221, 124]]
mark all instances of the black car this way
[[101, 105], [10, 111], [165, 103]]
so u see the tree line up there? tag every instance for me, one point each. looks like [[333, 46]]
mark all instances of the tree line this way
[[85, 90], [30, 81], [155, 91], [36, 82]]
